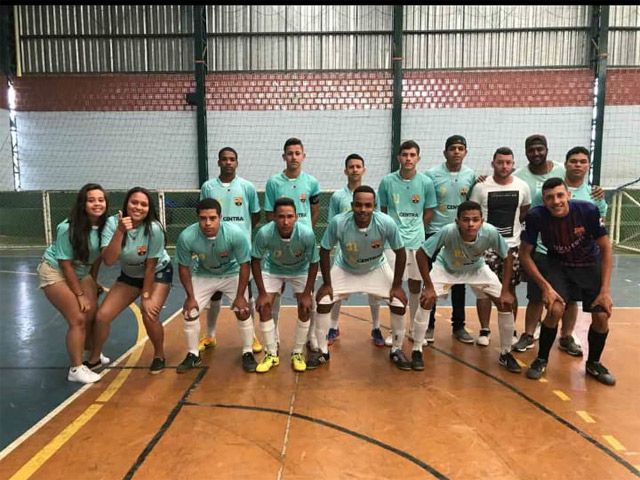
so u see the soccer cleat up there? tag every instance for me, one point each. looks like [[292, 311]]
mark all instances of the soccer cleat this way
[[417, 362], [510, 363], [82, 374], [249, 363], [483, 338], [429, 336], [378, 339], [317, 359], [333, 335], [256, 346], [157, 365], [462, 335], [206, 343], [267, 362], [536, 369], [298, 363], [525, 343], [567, 344], [389, 340], [189, 362], [600, 373], [400, 360]]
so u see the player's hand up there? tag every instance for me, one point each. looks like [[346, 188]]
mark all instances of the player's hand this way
[[427, 298], [481, 178], [597, 192], [323, 291], [263, 303], [505, 301], [305, 303], [190, 309], [84, 303], [604, 300], [124, 223], [550, 296], [240, 306], [398, 292], [150, 308]]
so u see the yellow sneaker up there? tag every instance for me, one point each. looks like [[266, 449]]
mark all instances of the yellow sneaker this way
[[297, 360], [267, 362], [256, 346], [206, 343]]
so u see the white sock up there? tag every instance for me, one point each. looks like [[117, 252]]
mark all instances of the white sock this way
[[302, 330], [505, 323], [312, 324], [275, 313], [245, 327], [335, 314], [374, 306], [322, 327], [268, 334], [212, 317], [414, 303], [192, 333], [397, 329], [420, 323]]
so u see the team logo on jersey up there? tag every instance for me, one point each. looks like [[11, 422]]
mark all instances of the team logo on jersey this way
[[238, 201], [443, 190], [142, 251], [298, 253], [395, 197], [223, 254], [375, 244], [415, 198], [277, 253], [303, 197], [464, 191], [579, 230], [442, 207], [201, 256]]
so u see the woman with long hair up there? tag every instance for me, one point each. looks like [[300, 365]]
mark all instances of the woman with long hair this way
[[137, 238], [68, 275]]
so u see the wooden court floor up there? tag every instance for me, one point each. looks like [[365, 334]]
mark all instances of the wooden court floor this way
[[464, 417]]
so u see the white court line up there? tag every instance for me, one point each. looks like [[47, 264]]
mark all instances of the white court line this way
[[287, 429], [18, 273]]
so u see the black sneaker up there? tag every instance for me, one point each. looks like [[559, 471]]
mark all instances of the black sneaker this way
[[600, 373], [398, 357], [510, 363], [417, 363], [157, 365], [190, 361], [537, 368], [462, 335], [525, 343], [317, 360], [569, 345], [249, 363]]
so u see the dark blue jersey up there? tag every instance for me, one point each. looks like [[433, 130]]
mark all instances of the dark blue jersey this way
[[571, 239]]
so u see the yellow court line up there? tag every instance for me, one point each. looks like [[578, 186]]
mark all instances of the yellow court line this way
[[521, 363], [29, 468], [585, 416], [562, 396], [614, 443], [543, 380]]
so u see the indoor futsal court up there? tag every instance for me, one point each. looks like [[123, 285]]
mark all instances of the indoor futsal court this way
[[462, 417]]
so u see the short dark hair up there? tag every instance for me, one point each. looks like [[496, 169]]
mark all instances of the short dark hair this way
[[408, 145], [364, 189], [284, 202], [553, 183], [468, 205], [292, 141], [207, 204], [575, 150], [502, 151], [227, 149], [353, 156]]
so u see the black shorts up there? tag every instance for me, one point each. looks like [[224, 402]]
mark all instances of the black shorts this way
[[162, 276]]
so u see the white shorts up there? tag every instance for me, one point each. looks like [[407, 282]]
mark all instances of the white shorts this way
[[483, 281], [376, 283], [411, 270], [205, 287], [274, 283]]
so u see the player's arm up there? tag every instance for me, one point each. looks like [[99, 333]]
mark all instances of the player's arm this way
[[184, 272], [255, 220], [315, 212], [398, 272], [523, 212], [606, 255], [66, 266], [427, 215], [240, 304]]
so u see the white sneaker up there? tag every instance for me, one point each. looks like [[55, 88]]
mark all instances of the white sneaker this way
[[82, 374], [104, 360], [536, 333], [483, 338], [576, 340], [388, 341], [514, 340]]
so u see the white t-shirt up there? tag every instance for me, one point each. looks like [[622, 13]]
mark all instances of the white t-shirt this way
[[501, 206]]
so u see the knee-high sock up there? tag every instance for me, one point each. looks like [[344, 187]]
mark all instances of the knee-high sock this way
[[547, 336], [245, 328], [414, 303], [268, 335], [596, 344], [192, 334], [302, 330], [322, 327], [212, 317], [275, 313], [420, 322], [397, 328], [335, 314], [505, 324], [374, 306]]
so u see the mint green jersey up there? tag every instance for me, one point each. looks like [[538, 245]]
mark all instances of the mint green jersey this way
[[535, 181], [406, 201], [456, 255], [289, 257], [340, 202], [452, 188], [238, 199], [361, 250], [583, 192], [217, 257], [138, 247], [61, 249], [301, 190]]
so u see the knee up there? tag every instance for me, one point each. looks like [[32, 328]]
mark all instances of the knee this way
[[78, 322], [600, 322]]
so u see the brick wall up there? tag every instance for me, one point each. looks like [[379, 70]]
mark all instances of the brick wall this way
[[623, 87]]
